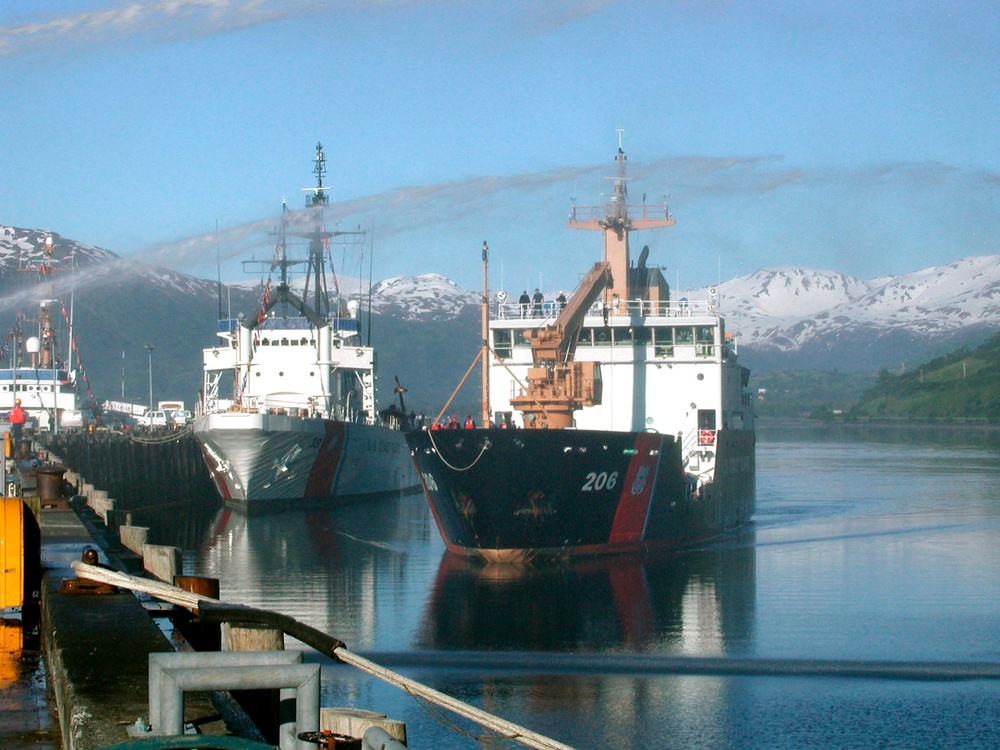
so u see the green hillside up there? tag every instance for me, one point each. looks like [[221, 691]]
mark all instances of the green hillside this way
[[962, 386], [803, 393]]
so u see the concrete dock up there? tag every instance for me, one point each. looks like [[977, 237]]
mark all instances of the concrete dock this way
[[97, 648]]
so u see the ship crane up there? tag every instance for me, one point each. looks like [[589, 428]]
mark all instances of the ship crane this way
[[558, 385]]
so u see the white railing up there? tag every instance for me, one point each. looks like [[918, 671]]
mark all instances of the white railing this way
[[547, 312]]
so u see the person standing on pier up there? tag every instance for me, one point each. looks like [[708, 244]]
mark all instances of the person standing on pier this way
[[17, 419]]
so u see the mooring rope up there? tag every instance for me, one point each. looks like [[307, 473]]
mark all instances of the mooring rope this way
[[164, 591], [190, 600], [483, 448], [157, 438]]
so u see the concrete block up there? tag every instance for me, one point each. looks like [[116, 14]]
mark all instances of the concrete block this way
[[133, 537], [354, 722], [101, 506], [162, 561], [115, 519]]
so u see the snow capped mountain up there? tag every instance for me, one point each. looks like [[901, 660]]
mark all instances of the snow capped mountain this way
[[23, 247], [791, 292], [785, 318], [24, 250], [785, 309], [427, 296]]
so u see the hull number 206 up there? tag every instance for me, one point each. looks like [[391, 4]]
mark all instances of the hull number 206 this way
[[600, 480]]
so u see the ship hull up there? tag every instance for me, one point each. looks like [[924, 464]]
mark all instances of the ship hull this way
[[511, 495], [269, 462]]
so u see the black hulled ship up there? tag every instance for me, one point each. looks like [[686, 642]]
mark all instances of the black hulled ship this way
[[618, 420]]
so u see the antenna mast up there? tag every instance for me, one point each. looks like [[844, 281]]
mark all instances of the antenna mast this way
[[485, 356], [616, 223]]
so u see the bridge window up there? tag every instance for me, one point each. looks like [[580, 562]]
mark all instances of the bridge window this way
[[684, 335], [704, 340], [663, 342], [585, 337], [602, 337], [520, 340], [502, 342], [642, 336]]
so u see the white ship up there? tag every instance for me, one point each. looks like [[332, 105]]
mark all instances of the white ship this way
[[288, 411], [35, 368]]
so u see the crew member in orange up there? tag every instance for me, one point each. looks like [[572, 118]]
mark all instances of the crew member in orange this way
[[17, 419]]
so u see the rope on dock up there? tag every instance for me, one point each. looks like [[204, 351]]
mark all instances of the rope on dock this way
[[165, 591], [507, 729], [216, 610]]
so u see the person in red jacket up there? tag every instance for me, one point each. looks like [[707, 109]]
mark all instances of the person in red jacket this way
[[17, 419]]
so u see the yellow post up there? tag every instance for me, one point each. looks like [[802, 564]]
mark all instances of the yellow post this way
[[11, 552]]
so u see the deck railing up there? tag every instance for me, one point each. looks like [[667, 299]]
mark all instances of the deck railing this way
[[547, 312]]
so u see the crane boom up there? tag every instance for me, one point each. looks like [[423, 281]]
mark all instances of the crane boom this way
[[558, 385]]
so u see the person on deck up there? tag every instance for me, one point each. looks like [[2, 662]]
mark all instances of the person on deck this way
[[524, 301], [17, 419], [537, 301], [470, 423]]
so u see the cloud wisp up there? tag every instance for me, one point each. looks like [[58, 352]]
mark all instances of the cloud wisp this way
[[167, 19]]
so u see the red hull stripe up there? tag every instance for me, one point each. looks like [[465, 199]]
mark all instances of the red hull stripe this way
[[637, 490], [217, 477], [324, 468], [632, 603]]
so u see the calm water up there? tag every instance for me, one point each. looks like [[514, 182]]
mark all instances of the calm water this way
[[880, 546]]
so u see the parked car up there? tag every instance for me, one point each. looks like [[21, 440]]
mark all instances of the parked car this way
[[180, 417], [153, 419]]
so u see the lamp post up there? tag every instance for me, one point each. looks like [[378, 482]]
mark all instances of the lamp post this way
[[149, 348]]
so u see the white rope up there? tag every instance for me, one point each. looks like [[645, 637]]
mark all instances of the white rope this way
[[160, 590], [485, 446], [189, 600], [508, 729]]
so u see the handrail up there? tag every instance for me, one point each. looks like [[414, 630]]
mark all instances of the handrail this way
[[681, 308]]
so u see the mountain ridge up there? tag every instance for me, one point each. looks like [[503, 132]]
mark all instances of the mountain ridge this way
[[426, 327]]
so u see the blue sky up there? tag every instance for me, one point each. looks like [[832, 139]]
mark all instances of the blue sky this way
[[852, 136]]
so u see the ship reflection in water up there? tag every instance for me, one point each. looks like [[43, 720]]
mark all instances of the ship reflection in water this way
[[377, 576], [700, 603]]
